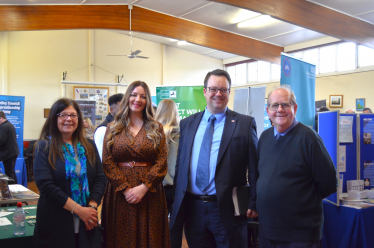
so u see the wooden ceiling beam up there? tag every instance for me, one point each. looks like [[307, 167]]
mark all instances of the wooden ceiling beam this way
[[56, 17], [311, 16]]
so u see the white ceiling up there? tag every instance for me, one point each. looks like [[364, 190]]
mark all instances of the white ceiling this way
[[224, 17]]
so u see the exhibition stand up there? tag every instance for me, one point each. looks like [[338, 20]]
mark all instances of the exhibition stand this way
[[347, 138]]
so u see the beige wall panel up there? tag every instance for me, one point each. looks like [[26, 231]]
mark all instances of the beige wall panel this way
[[36, 60], [187, 68]]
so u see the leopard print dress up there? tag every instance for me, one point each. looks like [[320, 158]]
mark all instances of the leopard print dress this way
[[135, 225]]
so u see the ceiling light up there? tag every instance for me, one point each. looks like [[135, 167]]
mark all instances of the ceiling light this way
[[243, 15], [258, 21], [182, 42], [173, 40]]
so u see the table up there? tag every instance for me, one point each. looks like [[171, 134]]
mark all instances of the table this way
[[8, 239], [21, 171], [20, 194], [347, 227]]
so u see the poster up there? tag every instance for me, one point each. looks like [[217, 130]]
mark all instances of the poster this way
[[189, 99], [368, 131], [14, 107], [98, 94], [342, 159], [301, 76], [368, 173], [88, 109], [345, 129]]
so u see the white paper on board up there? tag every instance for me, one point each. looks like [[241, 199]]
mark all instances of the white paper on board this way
[[345, 129], [342, 159]]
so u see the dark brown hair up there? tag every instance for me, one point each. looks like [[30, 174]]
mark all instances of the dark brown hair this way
[[217, 72], [2, 114], [52, 135]]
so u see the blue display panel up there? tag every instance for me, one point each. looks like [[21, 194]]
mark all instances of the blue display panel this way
[[328, 130], [351, 155], [366, 137]]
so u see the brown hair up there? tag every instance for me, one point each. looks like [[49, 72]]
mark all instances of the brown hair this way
[[52, 135], [122, 119]]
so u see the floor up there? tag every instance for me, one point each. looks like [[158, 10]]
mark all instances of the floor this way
[[32, 187]]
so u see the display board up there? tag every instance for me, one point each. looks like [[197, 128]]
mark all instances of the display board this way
[[301, 76], [366, 141], [246, 102], [14, 107], [328, 130], [98, 94], [189, 99], [348, 160]]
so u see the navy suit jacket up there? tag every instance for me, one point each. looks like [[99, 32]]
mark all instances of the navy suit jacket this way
[[237, 153]]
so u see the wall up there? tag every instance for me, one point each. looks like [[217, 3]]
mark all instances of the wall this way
[[32, 62]]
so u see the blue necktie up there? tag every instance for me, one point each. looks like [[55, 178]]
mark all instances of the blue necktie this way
[[277, 136], [203, 171]]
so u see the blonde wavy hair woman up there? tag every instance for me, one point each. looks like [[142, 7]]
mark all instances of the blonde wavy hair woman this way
[[135, 163], [167, 114], [89, 128]]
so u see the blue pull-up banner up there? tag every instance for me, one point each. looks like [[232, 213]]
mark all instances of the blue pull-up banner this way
[[301, 76]]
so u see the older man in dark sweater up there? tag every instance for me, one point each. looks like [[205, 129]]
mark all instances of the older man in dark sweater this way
[[8, 146], [295, 174]]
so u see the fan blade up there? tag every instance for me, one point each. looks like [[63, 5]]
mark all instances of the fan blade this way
[[141, 57], [136, 52]]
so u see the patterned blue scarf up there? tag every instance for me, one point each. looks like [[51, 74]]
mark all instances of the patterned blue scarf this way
[[70, 163]]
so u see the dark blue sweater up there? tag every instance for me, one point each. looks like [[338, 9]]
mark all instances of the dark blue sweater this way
[[295, 174]]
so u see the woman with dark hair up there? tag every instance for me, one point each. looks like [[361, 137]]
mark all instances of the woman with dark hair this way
[[135, 163], [71, 181], [167, 114]]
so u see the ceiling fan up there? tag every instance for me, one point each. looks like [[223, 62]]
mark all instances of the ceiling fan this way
[[132, 54]]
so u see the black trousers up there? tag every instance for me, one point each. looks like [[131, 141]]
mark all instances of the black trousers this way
[[203, 227], [9, 166], [169, 194]]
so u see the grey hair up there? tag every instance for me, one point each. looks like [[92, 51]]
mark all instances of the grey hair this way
[[288, 89]]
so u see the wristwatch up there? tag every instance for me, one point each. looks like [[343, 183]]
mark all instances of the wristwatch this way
[[92, 206]]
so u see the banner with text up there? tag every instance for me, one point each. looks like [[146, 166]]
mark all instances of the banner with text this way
[[301, 76], [13, 107], [189, 99]]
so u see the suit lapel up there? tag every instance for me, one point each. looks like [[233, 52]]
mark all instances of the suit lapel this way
[[192, 129], [228, 131]]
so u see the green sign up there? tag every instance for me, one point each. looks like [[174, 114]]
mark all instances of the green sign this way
[[189, 99]]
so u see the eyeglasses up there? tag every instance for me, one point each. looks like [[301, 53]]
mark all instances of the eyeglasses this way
[[214, 90], [285, 106], [65, 116]]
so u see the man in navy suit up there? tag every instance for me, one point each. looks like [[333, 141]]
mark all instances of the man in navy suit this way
[[203, 195]]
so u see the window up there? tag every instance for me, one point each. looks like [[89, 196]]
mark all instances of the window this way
[[275, 72], [241, 73], [263, 71], [252, 72], [346, 57], [365, 56], [327, 59], [231, 72], [298, 55], [312, 57]]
